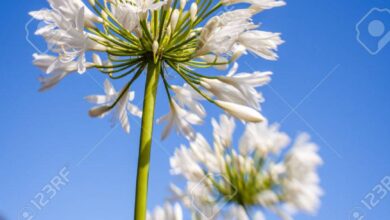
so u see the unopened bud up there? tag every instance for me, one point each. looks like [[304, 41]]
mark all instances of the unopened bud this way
[[193, 11], [169, 30], [155, 47], [92, 2], [168, 4], [241, 111], [97, 60], [183, 4], [174, 19]]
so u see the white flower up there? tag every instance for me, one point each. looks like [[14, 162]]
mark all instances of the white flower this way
[[249, 180], [70, 8], [258, 5], [246, 84], [180, 195], [167, 212], [187, 97], [184, 162], [193, 11], [130, 32], [237, 94], [223, 131], [261, 43], [129, 13], [267, 198], [263, 139], [181, 119], [58, 72], [221, 62], [120, 110], [233, 33], [67, 38], [174, 19], [276, 171], [148, 5], [221, 32], [203, 153], [237, 213], [126, 14], [301, 187]]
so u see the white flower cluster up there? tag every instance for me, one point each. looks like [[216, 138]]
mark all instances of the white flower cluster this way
[[257, 174], [157, 36], [167, 212], [134, 35]]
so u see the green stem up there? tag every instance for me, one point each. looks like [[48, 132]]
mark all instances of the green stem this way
[[146, 140]]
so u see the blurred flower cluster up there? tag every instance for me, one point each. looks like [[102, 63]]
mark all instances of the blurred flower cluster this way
[[238, 182]]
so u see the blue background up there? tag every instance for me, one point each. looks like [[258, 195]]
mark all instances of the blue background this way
[[325, 83]]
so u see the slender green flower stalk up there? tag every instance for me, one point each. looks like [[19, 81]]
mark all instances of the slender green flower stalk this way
[[146, 139], [123, 38]]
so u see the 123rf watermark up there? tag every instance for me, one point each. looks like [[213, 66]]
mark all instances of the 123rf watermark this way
[[46, 195], [372, 199], [373, 30]]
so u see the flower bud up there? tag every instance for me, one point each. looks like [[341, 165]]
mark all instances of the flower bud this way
[[155, 47], [240, 111], [92, 2], [193, 11], [168, 4], [174, 19], [97, 60], [183, 4], [169, 30]]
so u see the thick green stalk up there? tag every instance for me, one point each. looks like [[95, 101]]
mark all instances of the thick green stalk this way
[[146, 140]]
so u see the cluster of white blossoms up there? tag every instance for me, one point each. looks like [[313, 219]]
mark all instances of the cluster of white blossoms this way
[[259, 174], [122, 38]]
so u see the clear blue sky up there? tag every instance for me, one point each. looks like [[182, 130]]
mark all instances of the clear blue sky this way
[[325, 83]]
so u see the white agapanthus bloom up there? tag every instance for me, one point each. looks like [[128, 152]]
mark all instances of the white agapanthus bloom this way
[[121, 109], [126, 14], [237, 93], [167, 212], [142, 5], [255, 175], [154, 37], [67, 38], [69, 8], [222, 32], [239, 213], [246, 85], [263, 139], [221, 62], [138, 35], [188, 97], [57, 72], [301, 185], [261, 43], [258, 5], [181, 119]]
